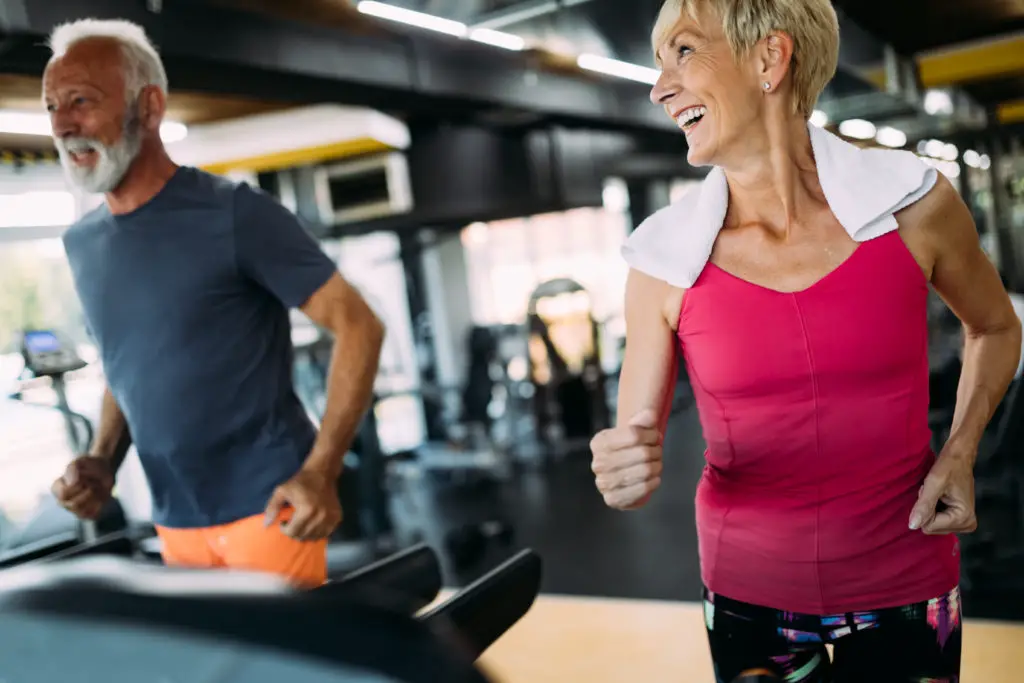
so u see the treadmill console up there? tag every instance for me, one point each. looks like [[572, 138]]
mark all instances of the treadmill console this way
[[46, 355]]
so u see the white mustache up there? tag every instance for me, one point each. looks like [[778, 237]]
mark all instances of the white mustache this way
[[80, 145]]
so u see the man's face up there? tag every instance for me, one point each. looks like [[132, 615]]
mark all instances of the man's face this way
[[95, 130]]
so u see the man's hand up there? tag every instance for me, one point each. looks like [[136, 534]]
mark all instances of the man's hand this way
[[86, 486], [950, 482], [627, 461], [313, 498]]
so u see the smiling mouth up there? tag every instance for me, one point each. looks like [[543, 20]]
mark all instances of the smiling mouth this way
[[688, 119], [86, 157]]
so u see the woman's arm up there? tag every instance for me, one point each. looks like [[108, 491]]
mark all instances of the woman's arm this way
[[969, 284], [627, 458], [651, 363]]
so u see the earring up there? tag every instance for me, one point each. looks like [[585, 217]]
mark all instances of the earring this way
[[767, 86]]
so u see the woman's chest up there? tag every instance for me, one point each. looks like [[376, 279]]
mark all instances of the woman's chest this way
[[867, 317]]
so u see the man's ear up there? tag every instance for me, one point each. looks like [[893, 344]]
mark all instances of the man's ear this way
[[152, 107]]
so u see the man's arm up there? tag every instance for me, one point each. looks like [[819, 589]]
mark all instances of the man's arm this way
[[112, 438], [359, 335]]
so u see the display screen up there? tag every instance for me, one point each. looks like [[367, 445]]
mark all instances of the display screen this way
[[42, 341]]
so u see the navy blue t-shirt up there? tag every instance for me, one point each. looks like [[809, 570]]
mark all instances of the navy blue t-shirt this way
[[188, 299]]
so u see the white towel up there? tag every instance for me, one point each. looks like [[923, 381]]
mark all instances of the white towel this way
[[863, 187]]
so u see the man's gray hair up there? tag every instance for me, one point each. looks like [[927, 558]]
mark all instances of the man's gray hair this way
[[142, 64]]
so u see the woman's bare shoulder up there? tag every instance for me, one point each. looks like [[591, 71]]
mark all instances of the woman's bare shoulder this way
[[649, 296]]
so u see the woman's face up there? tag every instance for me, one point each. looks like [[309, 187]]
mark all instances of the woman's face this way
[[711, 97]]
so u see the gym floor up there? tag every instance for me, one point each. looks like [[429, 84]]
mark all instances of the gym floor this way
[[621, 590]]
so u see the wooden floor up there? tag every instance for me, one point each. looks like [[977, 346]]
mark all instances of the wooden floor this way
[[597, 640]]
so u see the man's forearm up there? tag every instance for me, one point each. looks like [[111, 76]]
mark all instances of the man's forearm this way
[[990, 361], [112, 438], [354, 363]]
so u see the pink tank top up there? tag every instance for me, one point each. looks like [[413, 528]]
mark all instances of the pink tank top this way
[[814, 407]]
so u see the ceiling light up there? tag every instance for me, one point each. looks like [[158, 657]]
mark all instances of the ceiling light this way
[[819, 118], [859, 129], [614, 67], [934, 148], [497, 38], [972, 159], [938, 102], [949, 152], [172, 131], [985, 162], [34, 123], [891, 137], [408, 16]]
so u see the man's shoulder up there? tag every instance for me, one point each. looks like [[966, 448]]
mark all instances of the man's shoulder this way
[[88, 224]]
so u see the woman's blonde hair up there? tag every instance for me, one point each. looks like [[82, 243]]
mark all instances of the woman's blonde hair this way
[[812, 24]]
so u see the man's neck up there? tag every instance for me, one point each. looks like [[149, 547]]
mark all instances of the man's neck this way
[[146, 177]]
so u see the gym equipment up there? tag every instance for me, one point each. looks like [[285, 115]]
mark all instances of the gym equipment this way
[[570, 399], [120, 621], [414, 574], [468, 544], [46, 355]]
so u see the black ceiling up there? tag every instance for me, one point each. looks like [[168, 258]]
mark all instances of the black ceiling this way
[[919, 25]]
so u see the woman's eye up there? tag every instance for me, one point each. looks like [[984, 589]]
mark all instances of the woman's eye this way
[[684, 50]]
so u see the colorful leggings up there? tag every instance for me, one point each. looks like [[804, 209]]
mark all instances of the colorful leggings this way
[[919, 643]]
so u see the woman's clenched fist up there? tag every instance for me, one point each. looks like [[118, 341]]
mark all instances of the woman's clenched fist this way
[[627, 461]]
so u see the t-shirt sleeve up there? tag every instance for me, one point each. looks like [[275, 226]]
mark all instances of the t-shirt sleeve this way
[[275, 250]]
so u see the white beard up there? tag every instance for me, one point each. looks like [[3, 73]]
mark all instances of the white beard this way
[[112, 163]]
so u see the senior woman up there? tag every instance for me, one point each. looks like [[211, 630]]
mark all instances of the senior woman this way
[[794, 281]]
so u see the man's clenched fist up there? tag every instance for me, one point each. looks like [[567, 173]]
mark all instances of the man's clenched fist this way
[[627, 461], [86, 486]]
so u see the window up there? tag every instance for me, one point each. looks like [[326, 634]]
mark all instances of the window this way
[[506, 261], [36, 291]]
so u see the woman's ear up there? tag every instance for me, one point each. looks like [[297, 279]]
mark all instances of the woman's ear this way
[[776, 52]]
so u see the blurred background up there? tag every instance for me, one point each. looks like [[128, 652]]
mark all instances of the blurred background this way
[[474, 167]]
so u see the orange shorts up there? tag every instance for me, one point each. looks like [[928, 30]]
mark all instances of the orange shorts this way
[[247, 545]]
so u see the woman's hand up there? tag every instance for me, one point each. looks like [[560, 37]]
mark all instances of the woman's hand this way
[[627, 461], [950, 482]]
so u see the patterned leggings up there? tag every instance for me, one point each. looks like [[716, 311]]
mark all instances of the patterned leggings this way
[[918, 643]]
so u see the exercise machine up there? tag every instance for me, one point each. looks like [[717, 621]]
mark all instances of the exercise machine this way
[[129, 622], [46, 355], [570, 394], [49, 358]]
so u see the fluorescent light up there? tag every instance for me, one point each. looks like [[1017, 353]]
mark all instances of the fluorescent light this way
[[859, 129], [972, 159], [408, 16], [891, 137], [497, 38], [24, 123], [172, 131], [614, 67], [819, 118], [33, 123]]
